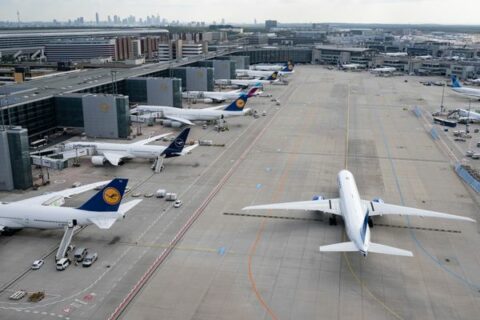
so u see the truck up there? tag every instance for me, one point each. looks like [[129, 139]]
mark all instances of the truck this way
[[160, 193], [170, 196]]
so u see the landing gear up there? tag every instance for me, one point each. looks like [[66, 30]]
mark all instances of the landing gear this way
[[332, 220]]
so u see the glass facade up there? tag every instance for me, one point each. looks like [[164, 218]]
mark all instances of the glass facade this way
[[297, 55], [123, 116], [136, 89], [69, 111], [20, 158]]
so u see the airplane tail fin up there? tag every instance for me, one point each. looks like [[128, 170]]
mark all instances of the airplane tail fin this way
[[252, 92], [455, 83], [175, 148], [238, 104], [380, 248], [288, 67], [108, 199], [273, 76]]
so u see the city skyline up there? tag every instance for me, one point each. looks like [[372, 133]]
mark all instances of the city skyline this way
[[464, 12]]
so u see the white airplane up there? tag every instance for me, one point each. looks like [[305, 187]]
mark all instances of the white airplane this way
[[356, 214], [187, 116], [45, 211], [257, 73], [465, 115], [352, 66], [383, 70], [284, 70], [245, 83], [116, 153], [468, 92], [475, 80], [217, 97]]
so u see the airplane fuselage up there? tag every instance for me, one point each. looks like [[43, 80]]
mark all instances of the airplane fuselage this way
[[192, 114], [135, 151], [18, 216], [219, 96], [469, 92], [353, 211]]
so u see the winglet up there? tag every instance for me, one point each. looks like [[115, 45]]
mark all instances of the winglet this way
[[455, 82]]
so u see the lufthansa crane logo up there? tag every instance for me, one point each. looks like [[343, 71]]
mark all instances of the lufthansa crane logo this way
[[274, 75], [240, 103], [290, 67], [179, 143], [111, 196]]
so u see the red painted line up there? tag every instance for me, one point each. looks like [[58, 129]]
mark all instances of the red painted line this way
[[148, 274]]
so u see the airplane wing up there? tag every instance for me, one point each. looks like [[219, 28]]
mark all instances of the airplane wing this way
[[1, 228], [151, 139], [182, 120], [115, 157], [379, 209], [327, 206], [54, 198], [216, 107]]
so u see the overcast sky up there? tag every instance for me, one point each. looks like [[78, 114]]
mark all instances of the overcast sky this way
[[363, 11]]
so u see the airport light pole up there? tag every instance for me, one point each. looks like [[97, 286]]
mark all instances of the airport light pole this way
[[114, 81], [443, 96], [468, 115]]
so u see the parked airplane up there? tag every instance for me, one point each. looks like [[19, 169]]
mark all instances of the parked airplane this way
[[44, 212], [383, 70], [351, 66], [257, 73], [116, 153], [284, 70], [356, 215], [464, 116], [245, 83], [468, 92], [287, 67], [217, 97], [187, 116]]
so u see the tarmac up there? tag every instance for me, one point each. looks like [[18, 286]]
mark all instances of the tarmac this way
[[210, 260]]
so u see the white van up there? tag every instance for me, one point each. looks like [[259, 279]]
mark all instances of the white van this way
[[63, 264]]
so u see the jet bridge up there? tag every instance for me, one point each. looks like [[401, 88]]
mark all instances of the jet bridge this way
[[57, 158]]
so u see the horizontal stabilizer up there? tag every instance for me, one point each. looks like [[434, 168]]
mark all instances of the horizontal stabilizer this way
[[103, 223], [340, 247], [125, 207], [380, 248]]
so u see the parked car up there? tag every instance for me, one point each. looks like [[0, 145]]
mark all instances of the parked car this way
[[80, 254], [89, 259], [37, 264], [178, 203]]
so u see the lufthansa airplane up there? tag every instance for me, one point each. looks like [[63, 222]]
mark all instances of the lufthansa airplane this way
[[44, 212], [356, 213]]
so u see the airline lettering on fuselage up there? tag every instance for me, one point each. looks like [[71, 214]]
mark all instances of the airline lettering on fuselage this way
[[112, 196]]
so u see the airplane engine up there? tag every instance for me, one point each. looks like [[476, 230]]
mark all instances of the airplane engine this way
[[171, 124], [317, 197], [98, 160], [378, 200], [207, 100]]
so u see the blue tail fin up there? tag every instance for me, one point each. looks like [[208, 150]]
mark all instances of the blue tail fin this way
[[274, 76], [108, 199], [238, 104], [176, 147], [455, 83], [288, 67]]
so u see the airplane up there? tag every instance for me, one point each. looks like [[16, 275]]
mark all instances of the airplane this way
[[284, 70], [477, 81], [351, 66], [217, 97], [187, 116], [464, 116], [46, 212], [287, 67], [256, 73], [248, 82], [116, 153], [383, 70], [468, 92], [356, 215]]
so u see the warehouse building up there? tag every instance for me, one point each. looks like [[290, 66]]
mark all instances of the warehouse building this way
[[80, 50], [329, 54]]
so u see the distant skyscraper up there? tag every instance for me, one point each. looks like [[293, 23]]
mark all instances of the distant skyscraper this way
[[97, 19], [109, 19], [223, 20], [255, 21], [270, 24]]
